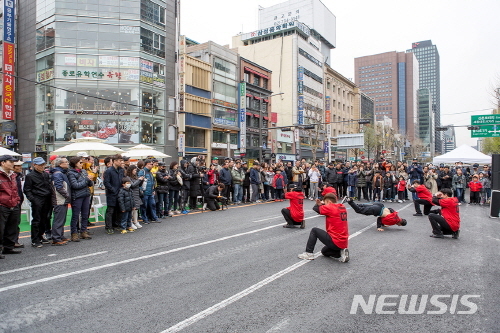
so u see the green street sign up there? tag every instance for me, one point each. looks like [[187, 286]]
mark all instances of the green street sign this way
[[492, 128]]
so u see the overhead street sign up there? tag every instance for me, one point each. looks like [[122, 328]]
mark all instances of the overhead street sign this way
[[492, 128]]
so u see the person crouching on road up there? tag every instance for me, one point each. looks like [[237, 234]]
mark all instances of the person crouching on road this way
[[385, 216], [294, 215], [214, 196], [336, 235], [126, 201], [447, 220], [424, 197]]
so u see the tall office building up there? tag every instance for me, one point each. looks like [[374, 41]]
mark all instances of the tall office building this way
[[426, 120], [391, 80], [294, 40], [428, 59], [105, 70], [449, 139]]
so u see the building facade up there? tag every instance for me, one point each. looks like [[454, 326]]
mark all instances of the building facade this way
[[225, 83], [391, 79], [426, 120], [367, 107], [105, 70], [429, 77], [255, 87], [449, 139], [295, 52]]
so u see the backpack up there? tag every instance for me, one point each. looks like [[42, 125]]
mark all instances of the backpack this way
[[279, 183]]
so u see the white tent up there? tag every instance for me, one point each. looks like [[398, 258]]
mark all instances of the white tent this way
[[465, 154]]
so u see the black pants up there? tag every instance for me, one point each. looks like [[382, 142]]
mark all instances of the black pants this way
[[330, 250], [376, 193], [9, 219], [474, 197], [213, 205], [363, 190], [113, 218], [439, 225], [40, 208], [288, 217], [246, 193], [227, 191], [401, 195], [427, 206], [367, 209], [278, 194]]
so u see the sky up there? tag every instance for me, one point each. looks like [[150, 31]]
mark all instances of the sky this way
[[466, 33]]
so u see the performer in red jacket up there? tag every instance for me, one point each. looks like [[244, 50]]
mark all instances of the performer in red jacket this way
[[424, 198], [294, 215], [447, 220], [385, 216], [328, 188], [336, 235], [475, 189]]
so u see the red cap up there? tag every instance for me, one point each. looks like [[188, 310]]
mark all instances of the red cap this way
[[53, 157], [391, 219]]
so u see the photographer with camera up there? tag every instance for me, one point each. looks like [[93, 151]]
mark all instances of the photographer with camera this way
[[415, 172], [214, 196]]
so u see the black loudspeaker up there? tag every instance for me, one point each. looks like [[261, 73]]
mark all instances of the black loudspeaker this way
[[495, 204], [495, 172]]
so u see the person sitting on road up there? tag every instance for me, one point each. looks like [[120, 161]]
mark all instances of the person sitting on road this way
[[445, 221], [424, 198], [336, 235], [385, 216], [294, 215], [214, 196]]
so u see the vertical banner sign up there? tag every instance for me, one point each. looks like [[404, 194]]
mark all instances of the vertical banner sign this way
[[300, 90], [9, 38], [181, 144], [243, 116], [328, 116]]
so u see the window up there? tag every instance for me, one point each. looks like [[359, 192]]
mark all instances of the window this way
[[195, 137], [246, 77], [256, 80], [152, 43], [265, 83], [255, 122], [45, 37], [233, 138], [152, 12], [255, 104]]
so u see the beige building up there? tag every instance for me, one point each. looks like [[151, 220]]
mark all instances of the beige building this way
[[342, 105]]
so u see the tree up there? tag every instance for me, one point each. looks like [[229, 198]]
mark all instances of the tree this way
[[371, 140], [491, 146]]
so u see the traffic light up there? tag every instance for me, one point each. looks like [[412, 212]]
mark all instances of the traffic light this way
[[473, 128], [441, 129], [286, 129], [309, 127], [364, 121]]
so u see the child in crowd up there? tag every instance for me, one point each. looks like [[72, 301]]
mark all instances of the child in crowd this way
[[126, 202], [401, 189], [388, 179], [475, 187], [336, 235], [278, 185], [486, 189], [294, 215]]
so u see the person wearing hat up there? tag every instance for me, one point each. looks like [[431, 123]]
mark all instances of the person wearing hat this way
[[61, 197], [10, 210], [37, 189]]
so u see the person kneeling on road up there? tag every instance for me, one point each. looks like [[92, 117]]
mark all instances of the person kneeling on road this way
[[424, 198], [447, 220], [336, 235], [294, 215], [385, 216], [214, 196]]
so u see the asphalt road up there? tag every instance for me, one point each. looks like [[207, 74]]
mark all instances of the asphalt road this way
[[238, 271]]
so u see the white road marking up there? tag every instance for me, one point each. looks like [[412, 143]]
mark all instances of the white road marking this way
[[51, 255], [279, 326], [191, 320], [269, 218], [112, 264], [52, 262]]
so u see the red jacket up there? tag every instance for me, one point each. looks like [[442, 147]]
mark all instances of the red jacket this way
[[212, 177], [391, 219], [336, 223], [450, 211], [424, 193], [296, 205], [9, 196], [401, 185], [276, 177], [475, 186]]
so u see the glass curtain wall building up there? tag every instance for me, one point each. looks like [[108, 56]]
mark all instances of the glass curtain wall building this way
[[109, 58]]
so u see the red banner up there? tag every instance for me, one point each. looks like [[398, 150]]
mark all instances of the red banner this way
[[8, 81]]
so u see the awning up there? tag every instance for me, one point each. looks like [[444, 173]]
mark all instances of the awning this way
[[266, 118], [256, 115], [266, 100], [248, 113], [249, 95], [248, 69], [257, 97]]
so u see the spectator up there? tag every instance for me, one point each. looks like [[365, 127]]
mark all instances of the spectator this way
[[10, 212], [255, 182], [148, 201], [38, 190], [136, 190], [113, 182], [174, 188], [162, 181], [237, 175], [126, 203], [226, 178], [80, 199], [60, 199], [18, 170]]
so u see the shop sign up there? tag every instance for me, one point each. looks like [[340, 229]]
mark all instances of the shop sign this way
[[285, 157], [129, 62], [242, 117], [181, 143], [9, 8], [226, 122], [113, 130], [146, 66], [277, 28], [94, 75], [8, 81], [224, 103], [125, 29], [223, 145], [46, 74], [284, 136]]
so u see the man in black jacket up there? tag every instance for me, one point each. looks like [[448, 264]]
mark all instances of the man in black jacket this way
[[38, 190], [214, 196], [446, 177], [226, 178], [113, 182]]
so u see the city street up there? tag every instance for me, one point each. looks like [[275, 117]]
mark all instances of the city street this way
[[237, 271]]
